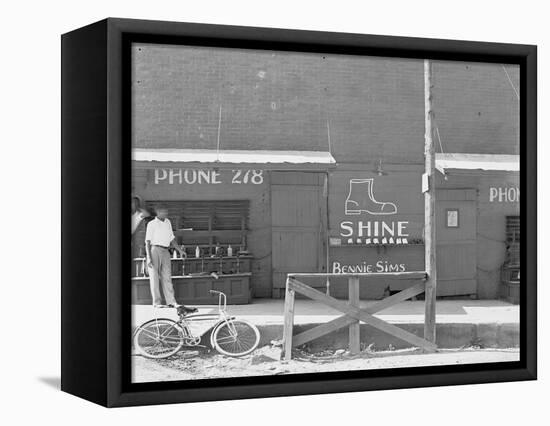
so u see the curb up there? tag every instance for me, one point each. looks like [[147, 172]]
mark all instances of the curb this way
[[449, 336]]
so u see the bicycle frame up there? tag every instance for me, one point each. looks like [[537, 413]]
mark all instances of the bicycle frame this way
[[221, 317]]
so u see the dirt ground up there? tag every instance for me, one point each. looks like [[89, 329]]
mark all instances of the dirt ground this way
[[193, 364]]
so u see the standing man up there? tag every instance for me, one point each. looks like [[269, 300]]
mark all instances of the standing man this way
[[159, 237]]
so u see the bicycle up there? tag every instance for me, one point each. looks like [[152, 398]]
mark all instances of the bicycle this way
[[162, 337]]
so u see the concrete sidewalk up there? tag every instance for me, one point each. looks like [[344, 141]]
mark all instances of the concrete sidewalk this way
[[489, 323]]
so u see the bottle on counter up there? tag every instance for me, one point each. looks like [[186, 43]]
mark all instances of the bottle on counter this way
[[175, 254], [229, 251], [197, 252]]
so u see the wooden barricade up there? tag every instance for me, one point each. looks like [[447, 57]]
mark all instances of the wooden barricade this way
[[353, 315]]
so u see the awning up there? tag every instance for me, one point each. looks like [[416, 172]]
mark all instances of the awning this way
[[306, 159], [476, 162]]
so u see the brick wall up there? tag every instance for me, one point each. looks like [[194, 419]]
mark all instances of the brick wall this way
[[476, 108], [280, 100]]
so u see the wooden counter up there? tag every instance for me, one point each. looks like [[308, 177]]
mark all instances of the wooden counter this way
[[194, 289]]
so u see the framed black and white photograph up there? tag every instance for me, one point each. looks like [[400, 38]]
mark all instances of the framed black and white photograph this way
[[292, 212]]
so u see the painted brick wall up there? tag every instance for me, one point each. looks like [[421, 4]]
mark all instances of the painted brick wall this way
[[280, 100]]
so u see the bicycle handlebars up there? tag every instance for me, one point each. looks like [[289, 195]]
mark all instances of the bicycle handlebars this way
[[221, 296]]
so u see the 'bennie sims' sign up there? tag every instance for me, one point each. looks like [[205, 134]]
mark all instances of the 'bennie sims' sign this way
[[208, 176], [367, 267]]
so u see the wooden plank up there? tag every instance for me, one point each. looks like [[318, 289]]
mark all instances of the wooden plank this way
[[362, 316], [396, 298], [354, 329], [410, 275], [344, 320], [320, 330], [429, 207], [206, 233], [288, 322]]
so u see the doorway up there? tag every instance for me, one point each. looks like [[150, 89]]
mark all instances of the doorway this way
[[456, 232], [298, 212]]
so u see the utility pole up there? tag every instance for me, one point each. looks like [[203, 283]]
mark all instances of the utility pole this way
[[428, 187]]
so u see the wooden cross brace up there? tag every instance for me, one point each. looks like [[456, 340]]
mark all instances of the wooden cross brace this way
[[352, 316]]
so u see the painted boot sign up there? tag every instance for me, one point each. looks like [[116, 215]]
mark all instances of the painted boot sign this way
[[361, 199]]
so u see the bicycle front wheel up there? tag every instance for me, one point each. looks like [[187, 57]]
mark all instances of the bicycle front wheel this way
[[236, 338], [158, 338]]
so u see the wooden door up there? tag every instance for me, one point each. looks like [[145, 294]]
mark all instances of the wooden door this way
[[298, 214], [456, 232]]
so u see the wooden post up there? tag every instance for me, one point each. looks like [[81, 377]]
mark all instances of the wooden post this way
[[288, 321], [354, 329], [429, 207]]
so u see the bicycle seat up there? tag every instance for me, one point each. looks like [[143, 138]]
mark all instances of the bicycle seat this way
[[184, 310]]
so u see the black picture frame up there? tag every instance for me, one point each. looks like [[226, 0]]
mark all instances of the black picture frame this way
[[96, 186]]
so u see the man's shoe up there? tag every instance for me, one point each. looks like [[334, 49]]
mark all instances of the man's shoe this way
[[184, 310], [174, 305]]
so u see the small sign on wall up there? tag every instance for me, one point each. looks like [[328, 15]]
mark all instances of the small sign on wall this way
[[452, 218], [425, 183]]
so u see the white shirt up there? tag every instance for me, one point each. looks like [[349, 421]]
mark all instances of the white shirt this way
[[159, 232]]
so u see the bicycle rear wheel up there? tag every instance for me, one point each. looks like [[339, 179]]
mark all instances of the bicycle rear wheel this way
[[236, 338], [158, 338]]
